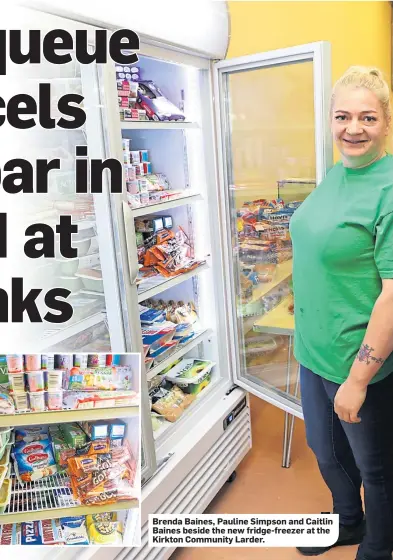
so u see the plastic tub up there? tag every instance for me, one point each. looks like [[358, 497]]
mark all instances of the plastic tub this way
[[35, 380], [91, 279], [72, 283], [15, 363], [55, 400], [191, 375], [82, 246], [21, 401], [17, 382], [37, 402], [67, 267], [54, 380], [33, 362]]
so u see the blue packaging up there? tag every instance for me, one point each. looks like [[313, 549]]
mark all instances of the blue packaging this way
[[31, 533]]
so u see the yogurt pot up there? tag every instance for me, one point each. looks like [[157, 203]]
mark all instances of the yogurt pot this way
[[132, 187], [130, 173], [55, 400], [33, 362], [37, 402], [62, 361], [17, 382], [15, 363], [21, 401], [35, 380], [54, 379], [135, 157], [80, 360]]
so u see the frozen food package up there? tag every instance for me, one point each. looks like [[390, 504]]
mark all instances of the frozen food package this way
[[51, 532], [106, 533], [73, 435], [34, 460], [31, 433], [170, 403], [95, 447], [84, 464], [74, 531], [105, 517], [31, 533], [10, 534]]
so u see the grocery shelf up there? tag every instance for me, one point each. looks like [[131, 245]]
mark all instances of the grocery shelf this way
[[277, 321], [51, 498], [62, 416], [156, 125], [283, 271], [169, 283], [62, 334], [166, 205], [197, 339]]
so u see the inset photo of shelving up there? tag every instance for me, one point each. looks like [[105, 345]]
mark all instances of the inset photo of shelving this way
[[70, 449]]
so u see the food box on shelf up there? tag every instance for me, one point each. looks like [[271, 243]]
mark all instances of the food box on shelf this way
[[164, 351], [155, 337], [191, 375]]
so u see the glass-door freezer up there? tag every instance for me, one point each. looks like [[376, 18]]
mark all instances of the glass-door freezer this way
[[274, 149]]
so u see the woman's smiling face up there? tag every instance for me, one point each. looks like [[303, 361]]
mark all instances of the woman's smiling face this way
[[359, 126]]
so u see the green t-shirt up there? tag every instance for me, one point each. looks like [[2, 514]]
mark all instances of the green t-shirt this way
[[342, 237]]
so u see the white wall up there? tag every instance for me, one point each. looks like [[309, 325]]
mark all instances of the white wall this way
[[201, 26]]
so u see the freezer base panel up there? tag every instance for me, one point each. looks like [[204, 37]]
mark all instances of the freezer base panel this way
[[199, 468]]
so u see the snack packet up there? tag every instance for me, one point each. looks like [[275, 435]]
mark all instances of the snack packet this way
[[33, 461], [10, 534], [105, 517], [170, 403], [106, 533], [74, 531], [31, 433]]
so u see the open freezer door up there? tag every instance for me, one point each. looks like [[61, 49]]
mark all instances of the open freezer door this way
[[274, 147]]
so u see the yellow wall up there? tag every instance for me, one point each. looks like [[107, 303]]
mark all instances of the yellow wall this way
[[272, 109], [359, 32]]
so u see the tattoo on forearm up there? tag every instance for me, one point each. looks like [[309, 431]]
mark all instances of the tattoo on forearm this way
[[364, 355]]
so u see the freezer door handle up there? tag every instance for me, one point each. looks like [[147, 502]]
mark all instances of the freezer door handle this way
[[132, 253]]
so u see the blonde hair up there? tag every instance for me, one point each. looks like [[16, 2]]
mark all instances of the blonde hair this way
[[369, 78]]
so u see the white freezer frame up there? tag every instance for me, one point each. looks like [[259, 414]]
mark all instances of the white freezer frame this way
[[319, 54]]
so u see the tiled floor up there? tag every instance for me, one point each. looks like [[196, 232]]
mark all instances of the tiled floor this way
[[262, 486]]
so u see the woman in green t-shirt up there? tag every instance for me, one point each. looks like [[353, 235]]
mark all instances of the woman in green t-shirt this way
[[342, 239]]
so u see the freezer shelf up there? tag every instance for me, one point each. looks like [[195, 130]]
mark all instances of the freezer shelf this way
[[59, 335], [64, 416], [198, 338], [166, 205], [151, 125], [277, 321], [166, 426], [284, 271], [51, 498], [166, 283]]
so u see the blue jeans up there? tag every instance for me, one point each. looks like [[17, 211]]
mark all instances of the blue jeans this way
[[349, 454]]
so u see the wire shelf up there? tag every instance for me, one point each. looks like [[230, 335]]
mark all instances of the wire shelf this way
[[48, 493]]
